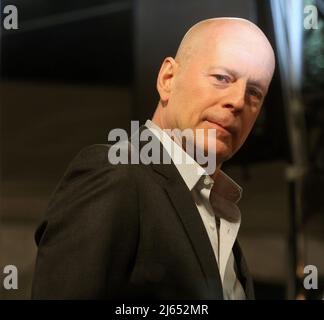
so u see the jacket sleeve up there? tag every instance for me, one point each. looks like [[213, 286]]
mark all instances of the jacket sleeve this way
[[87, 241]]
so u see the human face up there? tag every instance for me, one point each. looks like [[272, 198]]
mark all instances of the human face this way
[[221, 87]]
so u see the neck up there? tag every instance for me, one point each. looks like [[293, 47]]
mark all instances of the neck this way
[[158, 120], [157, 117], [215, 174]]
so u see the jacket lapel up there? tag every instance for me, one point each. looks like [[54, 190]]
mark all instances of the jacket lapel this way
[[242, 271], [185, 207], [191, 220]]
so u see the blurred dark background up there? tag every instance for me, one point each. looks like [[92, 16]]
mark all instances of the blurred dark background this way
[[73, 70]]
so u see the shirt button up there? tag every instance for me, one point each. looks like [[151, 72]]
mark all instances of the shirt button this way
[[212, 227], [207, 181]]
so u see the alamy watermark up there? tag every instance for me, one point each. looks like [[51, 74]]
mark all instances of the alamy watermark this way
[[145, 147], [311, 18], [10, 20], [311, 278], [10, 280]]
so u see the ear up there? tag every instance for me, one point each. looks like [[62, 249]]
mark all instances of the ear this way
[[165, 78]]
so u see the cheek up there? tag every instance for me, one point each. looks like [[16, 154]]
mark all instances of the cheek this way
[[187, 110], [247, 124], [191, 97]]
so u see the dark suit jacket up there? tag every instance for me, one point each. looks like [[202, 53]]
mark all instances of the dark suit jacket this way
[[126, 231]]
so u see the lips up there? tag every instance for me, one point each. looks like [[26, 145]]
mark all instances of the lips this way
[[223, 125]]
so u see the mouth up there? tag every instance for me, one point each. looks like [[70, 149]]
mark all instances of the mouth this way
[[229, 130]]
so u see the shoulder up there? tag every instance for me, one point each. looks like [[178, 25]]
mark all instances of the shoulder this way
[[91, 173], [94, 160], [91, 189]]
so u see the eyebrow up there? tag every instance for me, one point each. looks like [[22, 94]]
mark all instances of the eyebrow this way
[[235, 74]]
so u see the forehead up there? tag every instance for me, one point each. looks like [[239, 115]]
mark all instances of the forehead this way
[[249, 57]]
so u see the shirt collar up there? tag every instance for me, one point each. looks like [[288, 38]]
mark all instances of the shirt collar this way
[[227, 188], [192, 172]]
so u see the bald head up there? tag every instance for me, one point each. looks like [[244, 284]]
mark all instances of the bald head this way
[[220, 31]]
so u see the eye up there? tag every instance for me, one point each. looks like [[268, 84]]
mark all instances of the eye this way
[[222, 78], [254, 93]]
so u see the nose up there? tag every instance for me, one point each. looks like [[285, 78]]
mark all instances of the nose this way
[[235, 98]]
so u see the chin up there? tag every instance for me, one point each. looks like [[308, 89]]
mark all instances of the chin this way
[[223, 152], [221, 148]]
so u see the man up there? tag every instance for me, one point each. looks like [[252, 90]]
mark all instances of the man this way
[[164, 231]]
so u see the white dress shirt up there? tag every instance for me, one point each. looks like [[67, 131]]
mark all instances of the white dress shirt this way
[[213, 199]]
